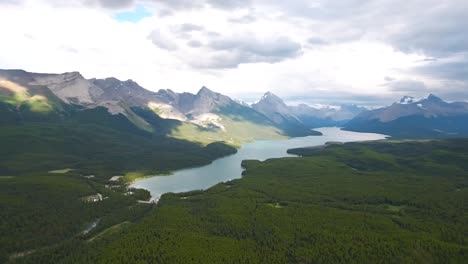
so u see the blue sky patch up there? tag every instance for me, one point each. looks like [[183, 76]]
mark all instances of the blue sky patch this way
[[133, 16]]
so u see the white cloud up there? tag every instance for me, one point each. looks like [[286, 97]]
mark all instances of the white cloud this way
[[240, 48], [162, 41]]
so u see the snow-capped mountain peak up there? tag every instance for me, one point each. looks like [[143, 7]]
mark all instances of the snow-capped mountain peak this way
[[408, 100]]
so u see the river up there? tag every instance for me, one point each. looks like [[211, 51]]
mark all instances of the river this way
[[229, 168]]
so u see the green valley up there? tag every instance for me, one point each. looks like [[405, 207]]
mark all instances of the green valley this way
[[387, 202]]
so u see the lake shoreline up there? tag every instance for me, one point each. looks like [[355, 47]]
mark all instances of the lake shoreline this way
[[229, 167]]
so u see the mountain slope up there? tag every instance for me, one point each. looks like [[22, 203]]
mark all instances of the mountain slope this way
[[54, 121], [415, 118], [211, 116], [276, 110]]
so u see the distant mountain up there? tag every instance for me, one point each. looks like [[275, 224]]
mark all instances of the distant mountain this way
[[415, 118], [304, 115], [325, 116], [204, 117], [282, 115]]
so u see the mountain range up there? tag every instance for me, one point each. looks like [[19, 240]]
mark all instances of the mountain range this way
[[429, 117], [207, 116], [204, 117]]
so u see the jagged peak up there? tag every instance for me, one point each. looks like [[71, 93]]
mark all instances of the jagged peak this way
[[433, 98], [270, 96], [408, 100], [205, 90], [268, 93], [412, 100]]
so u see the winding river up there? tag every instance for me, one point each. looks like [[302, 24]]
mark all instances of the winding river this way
[[229, 168]]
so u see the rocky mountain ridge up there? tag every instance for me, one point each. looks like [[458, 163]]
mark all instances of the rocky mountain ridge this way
[[413, 118]]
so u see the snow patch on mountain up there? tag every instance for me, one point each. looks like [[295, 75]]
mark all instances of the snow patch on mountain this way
[[208, 120], [166, 111], [409, 100]]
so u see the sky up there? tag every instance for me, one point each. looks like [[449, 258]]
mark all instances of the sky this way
[[317, 52]]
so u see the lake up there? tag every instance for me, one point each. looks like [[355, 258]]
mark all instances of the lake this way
[[229, 168]]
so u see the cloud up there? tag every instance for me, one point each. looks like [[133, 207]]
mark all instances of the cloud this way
[[316, 41], [245, 19], [188, 27], [452, 68], [185, 31], [235, 51], [193, 4], [302, 47], [437, 31], [162, 41], [194, 44], [408, 87], [11, 2], [113, 4], [229, 4]]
